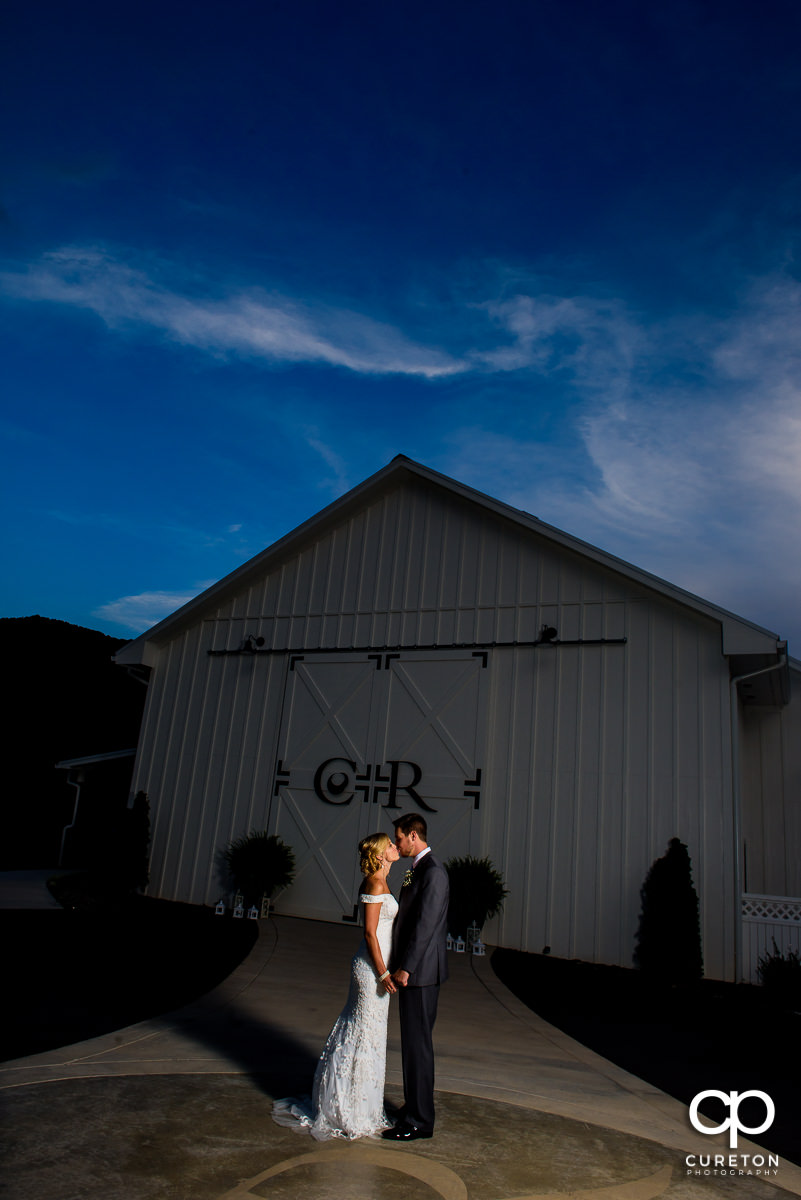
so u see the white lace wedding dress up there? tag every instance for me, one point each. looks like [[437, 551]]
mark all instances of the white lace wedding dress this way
[[348, 1092]]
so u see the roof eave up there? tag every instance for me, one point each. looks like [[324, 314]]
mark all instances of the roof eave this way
[[738, 635]]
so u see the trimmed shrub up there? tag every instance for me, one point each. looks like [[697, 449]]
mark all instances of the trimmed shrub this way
[[477, 893], [780, 975], [259, 864]]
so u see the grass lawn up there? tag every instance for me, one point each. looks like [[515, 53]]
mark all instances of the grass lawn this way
[[71, 975], [730, 1037]]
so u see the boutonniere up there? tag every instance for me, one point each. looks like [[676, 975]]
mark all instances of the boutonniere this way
[[407, 879]]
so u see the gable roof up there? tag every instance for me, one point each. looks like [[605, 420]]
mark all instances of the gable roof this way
[[739, 637]]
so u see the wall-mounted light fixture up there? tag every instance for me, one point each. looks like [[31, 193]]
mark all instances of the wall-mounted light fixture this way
[[249, 645]]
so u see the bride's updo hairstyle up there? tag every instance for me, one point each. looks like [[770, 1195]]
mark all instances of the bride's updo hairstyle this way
[[371, 850]]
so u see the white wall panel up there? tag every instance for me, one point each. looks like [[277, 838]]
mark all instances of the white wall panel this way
[[771, 754], [612, 764], [596, 755]]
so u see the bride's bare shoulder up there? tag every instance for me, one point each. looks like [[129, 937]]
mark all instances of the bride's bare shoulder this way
[[373, 886]]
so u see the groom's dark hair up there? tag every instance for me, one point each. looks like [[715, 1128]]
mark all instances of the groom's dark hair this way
[[412, 823]]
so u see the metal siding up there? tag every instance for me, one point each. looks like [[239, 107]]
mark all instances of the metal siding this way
[[596, 756], [582, 841], [431, 559], [207, 773], [183, 701], [636, 809], [519, 799], [234, 772], [469, 572], [226, 693], [446, 627], [451, 556], [562, 878], [414, 567], [271, 587], [488, 569], [399, 535], [713, 873], [611, 939], [571, 573], [370, 553], [790, 822], [201, 767], [503, 800], [320, 555], [770, 742], [467, 626], [542, 802], [383, 559], [589, 831]]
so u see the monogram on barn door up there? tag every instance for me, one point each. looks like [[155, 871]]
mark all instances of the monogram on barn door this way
[[364, 738]]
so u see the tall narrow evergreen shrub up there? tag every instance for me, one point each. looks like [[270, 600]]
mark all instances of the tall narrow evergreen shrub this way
[[668, 948]]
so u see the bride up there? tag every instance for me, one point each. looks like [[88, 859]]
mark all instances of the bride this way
[[348, 1092]]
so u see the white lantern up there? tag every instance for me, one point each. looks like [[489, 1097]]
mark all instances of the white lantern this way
[[479, 948], [253, 913], [239, 911], [220, 908], [460, 944], [449, 942]]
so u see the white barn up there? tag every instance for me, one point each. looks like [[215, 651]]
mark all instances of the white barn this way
[[420, 645]]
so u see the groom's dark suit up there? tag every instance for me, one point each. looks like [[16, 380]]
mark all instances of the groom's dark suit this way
[[418, 946]]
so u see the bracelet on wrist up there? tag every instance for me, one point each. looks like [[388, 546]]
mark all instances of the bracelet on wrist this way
[[381, 978]]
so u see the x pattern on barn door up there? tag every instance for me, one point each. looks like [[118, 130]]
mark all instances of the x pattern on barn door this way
[[365, 738]]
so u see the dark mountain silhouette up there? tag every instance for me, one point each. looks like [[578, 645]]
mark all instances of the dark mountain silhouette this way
[[66, 699]]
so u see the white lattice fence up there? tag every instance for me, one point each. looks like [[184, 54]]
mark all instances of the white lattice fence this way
[[769, 919]]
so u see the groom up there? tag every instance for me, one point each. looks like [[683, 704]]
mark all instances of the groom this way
[[419, 965]]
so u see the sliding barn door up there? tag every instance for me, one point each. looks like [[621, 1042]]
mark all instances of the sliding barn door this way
[[364, 738]]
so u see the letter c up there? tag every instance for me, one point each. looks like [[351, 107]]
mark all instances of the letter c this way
[[733, 1101], [724, 1096], [328, 788]]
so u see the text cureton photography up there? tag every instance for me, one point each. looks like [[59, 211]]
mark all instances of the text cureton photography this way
[[732, 1164]]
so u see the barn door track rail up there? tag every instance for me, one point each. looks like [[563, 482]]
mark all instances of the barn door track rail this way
[[255, 645]]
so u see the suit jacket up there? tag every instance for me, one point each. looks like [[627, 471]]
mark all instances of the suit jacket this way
[[421, 926]]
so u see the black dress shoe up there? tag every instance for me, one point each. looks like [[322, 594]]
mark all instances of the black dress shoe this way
[[405, 1133]]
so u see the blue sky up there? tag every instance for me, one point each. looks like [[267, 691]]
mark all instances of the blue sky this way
[[249, 252]]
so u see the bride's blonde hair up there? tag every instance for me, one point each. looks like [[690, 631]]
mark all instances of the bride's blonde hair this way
[[371, 850]]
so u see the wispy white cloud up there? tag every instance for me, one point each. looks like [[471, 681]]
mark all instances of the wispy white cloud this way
[[254, 323], [687, 432], [139, 613], [727, 447], [576, 336], [596, 342], [691, 449]]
